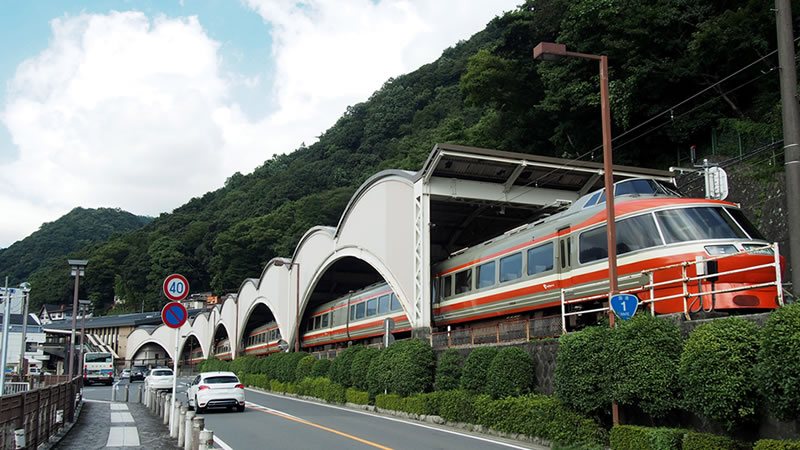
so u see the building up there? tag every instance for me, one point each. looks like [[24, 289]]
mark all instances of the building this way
[[34, 337]]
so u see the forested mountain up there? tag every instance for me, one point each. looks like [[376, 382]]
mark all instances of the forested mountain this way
[[71, 232], [486, 92]]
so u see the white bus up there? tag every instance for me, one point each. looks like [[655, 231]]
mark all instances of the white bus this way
[[98, 367]]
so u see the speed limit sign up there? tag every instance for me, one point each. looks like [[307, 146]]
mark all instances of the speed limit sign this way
[[176, 287]]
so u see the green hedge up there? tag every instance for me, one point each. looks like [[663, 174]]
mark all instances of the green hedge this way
[[277, 386], [304, 366], [269, 366], [423, 404], [287, 366], [389, 401], [340, 368], [457, 406], [448, 370], [644, 354], [511, 373], [320, 368], [632, 437], [214, 365], [403, 368], [379, 374], [359, 366], [540, 416], [581, 374], [353, 395], [773, 444], [778, 357], [321, 388], [476, 367], [255, 379], [243, 365], [717, 371], [705, 441]]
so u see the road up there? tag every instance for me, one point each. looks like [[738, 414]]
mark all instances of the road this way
[[276, 421]]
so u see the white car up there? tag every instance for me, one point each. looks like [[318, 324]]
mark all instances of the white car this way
[[216, 390], [159, 379], [126, 373]]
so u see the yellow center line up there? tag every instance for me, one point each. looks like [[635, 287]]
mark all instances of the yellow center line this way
[[305, 422]]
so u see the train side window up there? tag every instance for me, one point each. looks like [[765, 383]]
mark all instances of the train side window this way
[[383, 304], [352, 312], [324, 320], [593, 245], [396, 306], [317, 322], [562, 253], [486, 274], [540, 259], [447, 289], [636, 233], [372, 307], [360, 310], [464, 281], [593, 200], [310, 325], [511, 267]]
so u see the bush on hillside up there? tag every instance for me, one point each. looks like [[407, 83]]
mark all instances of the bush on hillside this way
[[320, 368], [644, 353], [448, 370], [511, 373], [476, 367], [340, 368], [581, 373], [359, 367], [717, 371], [304, 367], [780, 355]]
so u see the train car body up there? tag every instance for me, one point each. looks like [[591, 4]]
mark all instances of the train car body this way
[[262, 340], [355, 317], [531, 267], [222, 350]]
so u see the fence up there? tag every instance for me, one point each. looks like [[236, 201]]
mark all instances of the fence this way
[[517, 331], [41, 413]]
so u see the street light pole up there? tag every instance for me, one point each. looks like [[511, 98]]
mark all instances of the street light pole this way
[[297, 300], [547, 51], [77, 267], [23, 363]]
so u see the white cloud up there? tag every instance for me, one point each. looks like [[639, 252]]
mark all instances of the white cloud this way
[[124, 110]]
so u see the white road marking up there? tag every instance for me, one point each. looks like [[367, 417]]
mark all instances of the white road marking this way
[[123, 437], [121, 417], [505, 444], [119, 407], [222, 444]]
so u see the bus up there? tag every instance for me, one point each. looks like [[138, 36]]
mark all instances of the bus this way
[[98, 367]]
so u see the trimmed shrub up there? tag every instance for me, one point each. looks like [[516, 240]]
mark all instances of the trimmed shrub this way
[[320, 368], [422, 404], [448, 371], [214, 365], [353, 395], [271, 363], [359, 367], [243, 365], [632, 437], [706, 441], [540, 416], [476, 367], [717, 371], [412, 366], [644, 355], [255, 379], [389, 401], [581, 373], [774, 444], [780, 355], [287, 366], [457, 406], [340, 368], [304, 366], [510, 373], [379, 374], [277, 386]]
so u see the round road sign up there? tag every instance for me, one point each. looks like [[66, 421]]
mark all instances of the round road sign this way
[[174, 315], [176, 287]]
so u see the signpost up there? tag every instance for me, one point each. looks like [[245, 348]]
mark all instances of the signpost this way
[[174, 315], [624, 305]]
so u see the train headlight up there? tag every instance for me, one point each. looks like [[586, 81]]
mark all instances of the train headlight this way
[[762, 250], [715, 250]]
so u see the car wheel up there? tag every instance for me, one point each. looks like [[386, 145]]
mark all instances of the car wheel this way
[[197, 407], [240, 408]]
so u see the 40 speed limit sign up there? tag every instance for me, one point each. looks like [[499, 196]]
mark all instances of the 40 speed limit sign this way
[[176, 287]]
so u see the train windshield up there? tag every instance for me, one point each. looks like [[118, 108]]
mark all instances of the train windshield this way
[[692, 224]]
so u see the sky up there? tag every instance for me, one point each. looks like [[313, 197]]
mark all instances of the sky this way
[[144, 105]]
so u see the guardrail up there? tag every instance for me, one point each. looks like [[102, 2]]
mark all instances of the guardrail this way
[[30, 418]]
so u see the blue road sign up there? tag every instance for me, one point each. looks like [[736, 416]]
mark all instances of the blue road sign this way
[[174, 315], [624, 305]]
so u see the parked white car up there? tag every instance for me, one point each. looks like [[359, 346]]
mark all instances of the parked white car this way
[[159, 379], [126, 373], [216, 390]]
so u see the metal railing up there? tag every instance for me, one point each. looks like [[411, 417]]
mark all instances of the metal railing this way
[[40, 413], [683, 283], [514, 331]]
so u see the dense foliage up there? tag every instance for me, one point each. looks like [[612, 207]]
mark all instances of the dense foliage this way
[[581, 373], [717, 371], [339, 371], [485, 91], [510, 374], [476, 368], [779, 362], [448, 370]]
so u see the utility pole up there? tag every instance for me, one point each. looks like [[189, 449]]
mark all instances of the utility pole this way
[[791, 133]]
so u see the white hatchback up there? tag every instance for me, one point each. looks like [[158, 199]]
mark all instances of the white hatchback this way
[[216, 390], [159, 379]]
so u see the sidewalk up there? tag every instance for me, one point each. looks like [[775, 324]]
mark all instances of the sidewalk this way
[[117, 425]]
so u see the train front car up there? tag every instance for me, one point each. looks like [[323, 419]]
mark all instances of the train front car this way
[[663, 239]]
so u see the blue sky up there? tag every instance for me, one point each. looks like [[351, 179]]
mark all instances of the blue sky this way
[[142, 105]]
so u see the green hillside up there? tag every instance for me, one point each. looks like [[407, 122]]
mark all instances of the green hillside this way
[[486, 92]]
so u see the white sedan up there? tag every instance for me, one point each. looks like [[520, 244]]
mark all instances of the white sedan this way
[[159, 379], [216, 390]]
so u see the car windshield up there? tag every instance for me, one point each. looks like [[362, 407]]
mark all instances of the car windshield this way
[[139, 368], [162, 373], [221, 380]]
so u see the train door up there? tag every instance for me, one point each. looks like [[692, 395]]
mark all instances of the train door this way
[[563, 256]]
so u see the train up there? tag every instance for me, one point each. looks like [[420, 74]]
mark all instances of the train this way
[[260, 341]]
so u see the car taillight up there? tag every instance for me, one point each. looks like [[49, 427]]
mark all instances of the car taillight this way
[[239, 386], [203, 387]]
